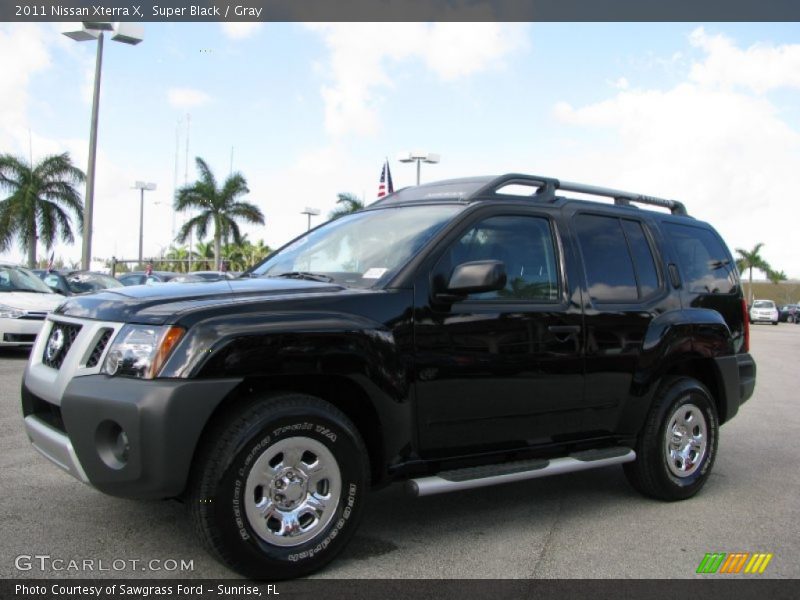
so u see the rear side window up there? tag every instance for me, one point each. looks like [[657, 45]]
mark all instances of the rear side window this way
[[704, 261], [619, 262]]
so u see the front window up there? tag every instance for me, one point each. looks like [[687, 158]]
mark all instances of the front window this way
[[764, 304], [17, 279], [82, 283], [360, 250]]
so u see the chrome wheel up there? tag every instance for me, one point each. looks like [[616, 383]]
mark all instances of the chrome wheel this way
[[292, 491], [685, 440]]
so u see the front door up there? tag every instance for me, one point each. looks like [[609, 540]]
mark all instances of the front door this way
[[502, 368]]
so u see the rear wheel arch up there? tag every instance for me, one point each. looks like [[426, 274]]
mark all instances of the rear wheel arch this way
[[706, 372]]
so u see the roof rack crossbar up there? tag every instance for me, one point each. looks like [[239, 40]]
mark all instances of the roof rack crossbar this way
[[624, 198]]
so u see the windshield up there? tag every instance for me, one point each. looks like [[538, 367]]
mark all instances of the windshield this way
[[17, 279], [82, 283], [764, 304], [362, 249]]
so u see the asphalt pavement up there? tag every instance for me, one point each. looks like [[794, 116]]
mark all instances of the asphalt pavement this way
[[582, 525]]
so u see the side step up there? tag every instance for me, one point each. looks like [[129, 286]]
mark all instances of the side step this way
[[475, 477]]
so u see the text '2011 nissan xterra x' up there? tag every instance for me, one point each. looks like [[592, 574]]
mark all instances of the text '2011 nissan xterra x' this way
[[453, 335]]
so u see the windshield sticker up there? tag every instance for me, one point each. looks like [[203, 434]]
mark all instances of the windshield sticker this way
[[374, 273]]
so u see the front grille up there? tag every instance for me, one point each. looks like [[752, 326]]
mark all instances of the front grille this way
[[55, 352], [99, 347]]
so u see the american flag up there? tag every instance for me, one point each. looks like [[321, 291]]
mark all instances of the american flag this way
[[385, 186]]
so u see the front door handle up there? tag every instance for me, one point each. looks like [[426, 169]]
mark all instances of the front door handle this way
[[564, 329]]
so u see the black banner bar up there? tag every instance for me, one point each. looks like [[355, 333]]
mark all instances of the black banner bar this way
[[400, 10], [405, 589]]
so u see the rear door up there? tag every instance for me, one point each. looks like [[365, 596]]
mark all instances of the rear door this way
[[625, 289]]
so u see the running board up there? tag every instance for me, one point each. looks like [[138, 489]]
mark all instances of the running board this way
[[475, 477]]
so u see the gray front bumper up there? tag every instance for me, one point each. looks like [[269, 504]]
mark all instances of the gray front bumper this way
[[162, 419]]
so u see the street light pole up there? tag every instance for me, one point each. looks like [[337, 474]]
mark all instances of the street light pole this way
[[419, 158], [127, 33], [142, 186], [310, 211], [88, 205]]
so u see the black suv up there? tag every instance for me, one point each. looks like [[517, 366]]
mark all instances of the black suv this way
[[459, 334]]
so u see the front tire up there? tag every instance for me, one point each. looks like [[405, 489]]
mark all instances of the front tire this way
[[279, 486], [678, 445]]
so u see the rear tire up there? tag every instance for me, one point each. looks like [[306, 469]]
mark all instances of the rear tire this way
[[677, 447], [279, 486]]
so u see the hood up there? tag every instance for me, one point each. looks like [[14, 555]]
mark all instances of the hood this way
[[157, 303], [31, 301]]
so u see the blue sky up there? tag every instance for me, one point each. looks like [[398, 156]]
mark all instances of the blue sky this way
[[707, 113]]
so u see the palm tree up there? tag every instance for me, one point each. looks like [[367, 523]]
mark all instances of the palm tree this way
[[42, 198], [179, 254], [204, 256], [751, 259], [776, 276], [350, 204], [218, 206]]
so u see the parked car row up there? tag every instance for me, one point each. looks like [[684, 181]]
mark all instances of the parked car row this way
[[766, 311], [27, 295], [789, 313]]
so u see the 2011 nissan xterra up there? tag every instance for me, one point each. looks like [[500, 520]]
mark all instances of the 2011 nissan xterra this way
[[453, 335]]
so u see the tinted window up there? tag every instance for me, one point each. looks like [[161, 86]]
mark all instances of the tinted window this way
[[704, 261], [524, 244], [609, 268], [645, 265]]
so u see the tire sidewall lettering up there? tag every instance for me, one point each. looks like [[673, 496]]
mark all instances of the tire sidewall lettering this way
[[329, 434]]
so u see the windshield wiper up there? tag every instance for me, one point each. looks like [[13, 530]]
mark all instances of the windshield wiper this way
[[306, 275]]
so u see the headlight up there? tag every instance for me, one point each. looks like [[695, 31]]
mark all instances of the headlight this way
[[141, 350], [6, 312]]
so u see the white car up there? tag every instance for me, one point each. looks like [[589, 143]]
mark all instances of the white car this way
[[24, 303], [764, 311]]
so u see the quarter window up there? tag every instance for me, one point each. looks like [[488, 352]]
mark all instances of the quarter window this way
[[704, 261]]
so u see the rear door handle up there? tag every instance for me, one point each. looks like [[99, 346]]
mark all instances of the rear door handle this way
[[564, 329]]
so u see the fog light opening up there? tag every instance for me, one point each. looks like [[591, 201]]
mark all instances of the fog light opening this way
[[113, 445]]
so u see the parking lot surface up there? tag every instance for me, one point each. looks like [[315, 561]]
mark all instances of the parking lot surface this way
[[586, 525]]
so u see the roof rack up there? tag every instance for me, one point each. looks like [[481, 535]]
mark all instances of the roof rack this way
[[547, 187]]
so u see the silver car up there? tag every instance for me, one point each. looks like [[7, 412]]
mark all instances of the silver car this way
[[764, 311]]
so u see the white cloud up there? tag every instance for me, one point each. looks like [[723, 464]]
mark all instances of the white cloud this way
[[187, 97], [621, 84], [240, 31], [727, 153], [761, 67], [360, 54], [27, 44]]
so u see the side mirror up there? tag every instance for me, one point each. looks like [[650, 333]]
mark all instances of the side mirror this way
[[474, 278]]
